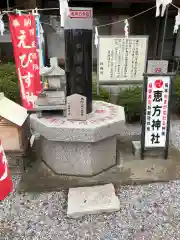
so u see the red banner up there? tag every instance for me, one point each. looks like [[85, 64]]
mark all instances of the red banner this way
[[6, 184], [23, 35]]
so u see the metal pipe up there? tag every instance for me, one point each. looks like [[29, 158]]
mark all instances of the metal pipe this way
[[164, 32]]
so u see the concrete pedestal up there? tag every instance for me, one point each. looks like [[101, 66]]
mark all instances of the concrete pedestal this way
[[80, 148], [79, 158]]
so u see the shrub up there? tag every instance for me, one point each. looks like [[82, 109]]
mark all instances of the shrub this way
[[130, 99], [176, 95], [9, 82], [104, 95]]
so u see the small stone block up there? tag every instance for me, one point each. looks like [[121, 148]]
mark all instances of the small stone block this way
[[76, 107], [136, 148], [92, 200]]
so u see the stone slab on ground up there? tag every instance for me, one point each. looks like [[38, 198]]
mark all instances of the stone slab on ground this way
[[154, 153], [92, 200]]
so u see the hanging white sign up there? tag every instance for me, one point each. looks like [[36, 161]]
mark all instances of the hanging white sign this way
[[122, 58], [156, 111], [157, 66]]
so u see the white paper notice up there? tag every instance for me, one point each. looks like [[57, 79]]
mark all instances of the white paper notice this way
[[122, 58]]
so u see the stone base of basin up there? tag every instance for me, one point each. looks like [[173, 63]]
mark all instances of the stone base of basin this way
[[72, 158], [80, 148], [40, 178]]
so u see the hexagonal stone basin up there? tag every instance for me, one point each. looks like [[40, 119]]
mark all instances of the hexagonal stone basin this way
[[82, 148]]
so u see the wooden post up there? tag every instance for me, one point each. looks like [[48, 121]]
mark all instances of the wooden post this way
[[78, 53]]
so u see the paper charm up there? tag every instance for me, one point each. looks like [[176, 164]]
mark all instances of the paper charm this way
[[41, 33], [2, 27], [177, 22], [35, 12], [66, 7], [96, 37], [61, 2], [18, 12], [158, 5], [126, 28], [162, 3], [64, 10], [40, 29]]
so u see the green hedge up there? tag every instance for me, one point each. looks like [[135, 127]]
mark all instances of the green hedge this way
[[176, 95], [104, 95], [130, 99], [9, 82]]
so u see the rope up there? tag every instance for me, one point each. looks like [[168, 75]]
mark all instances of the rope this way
[[122, 21]]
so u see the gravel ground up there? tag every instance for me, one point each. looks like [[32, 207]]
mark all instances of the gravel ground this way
[[147, 212]]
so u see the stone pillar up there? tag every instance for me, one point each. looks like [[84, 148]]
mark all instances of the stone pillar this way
[[78, 53]]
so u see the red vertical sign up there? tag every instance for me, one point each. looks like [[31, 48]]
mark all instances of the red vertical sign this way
[[23, 35], [6, 184]]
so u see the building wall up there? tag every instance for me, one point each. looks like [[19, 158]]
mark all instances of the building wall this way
[[27, 4], [55, 40], [145, 24]]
